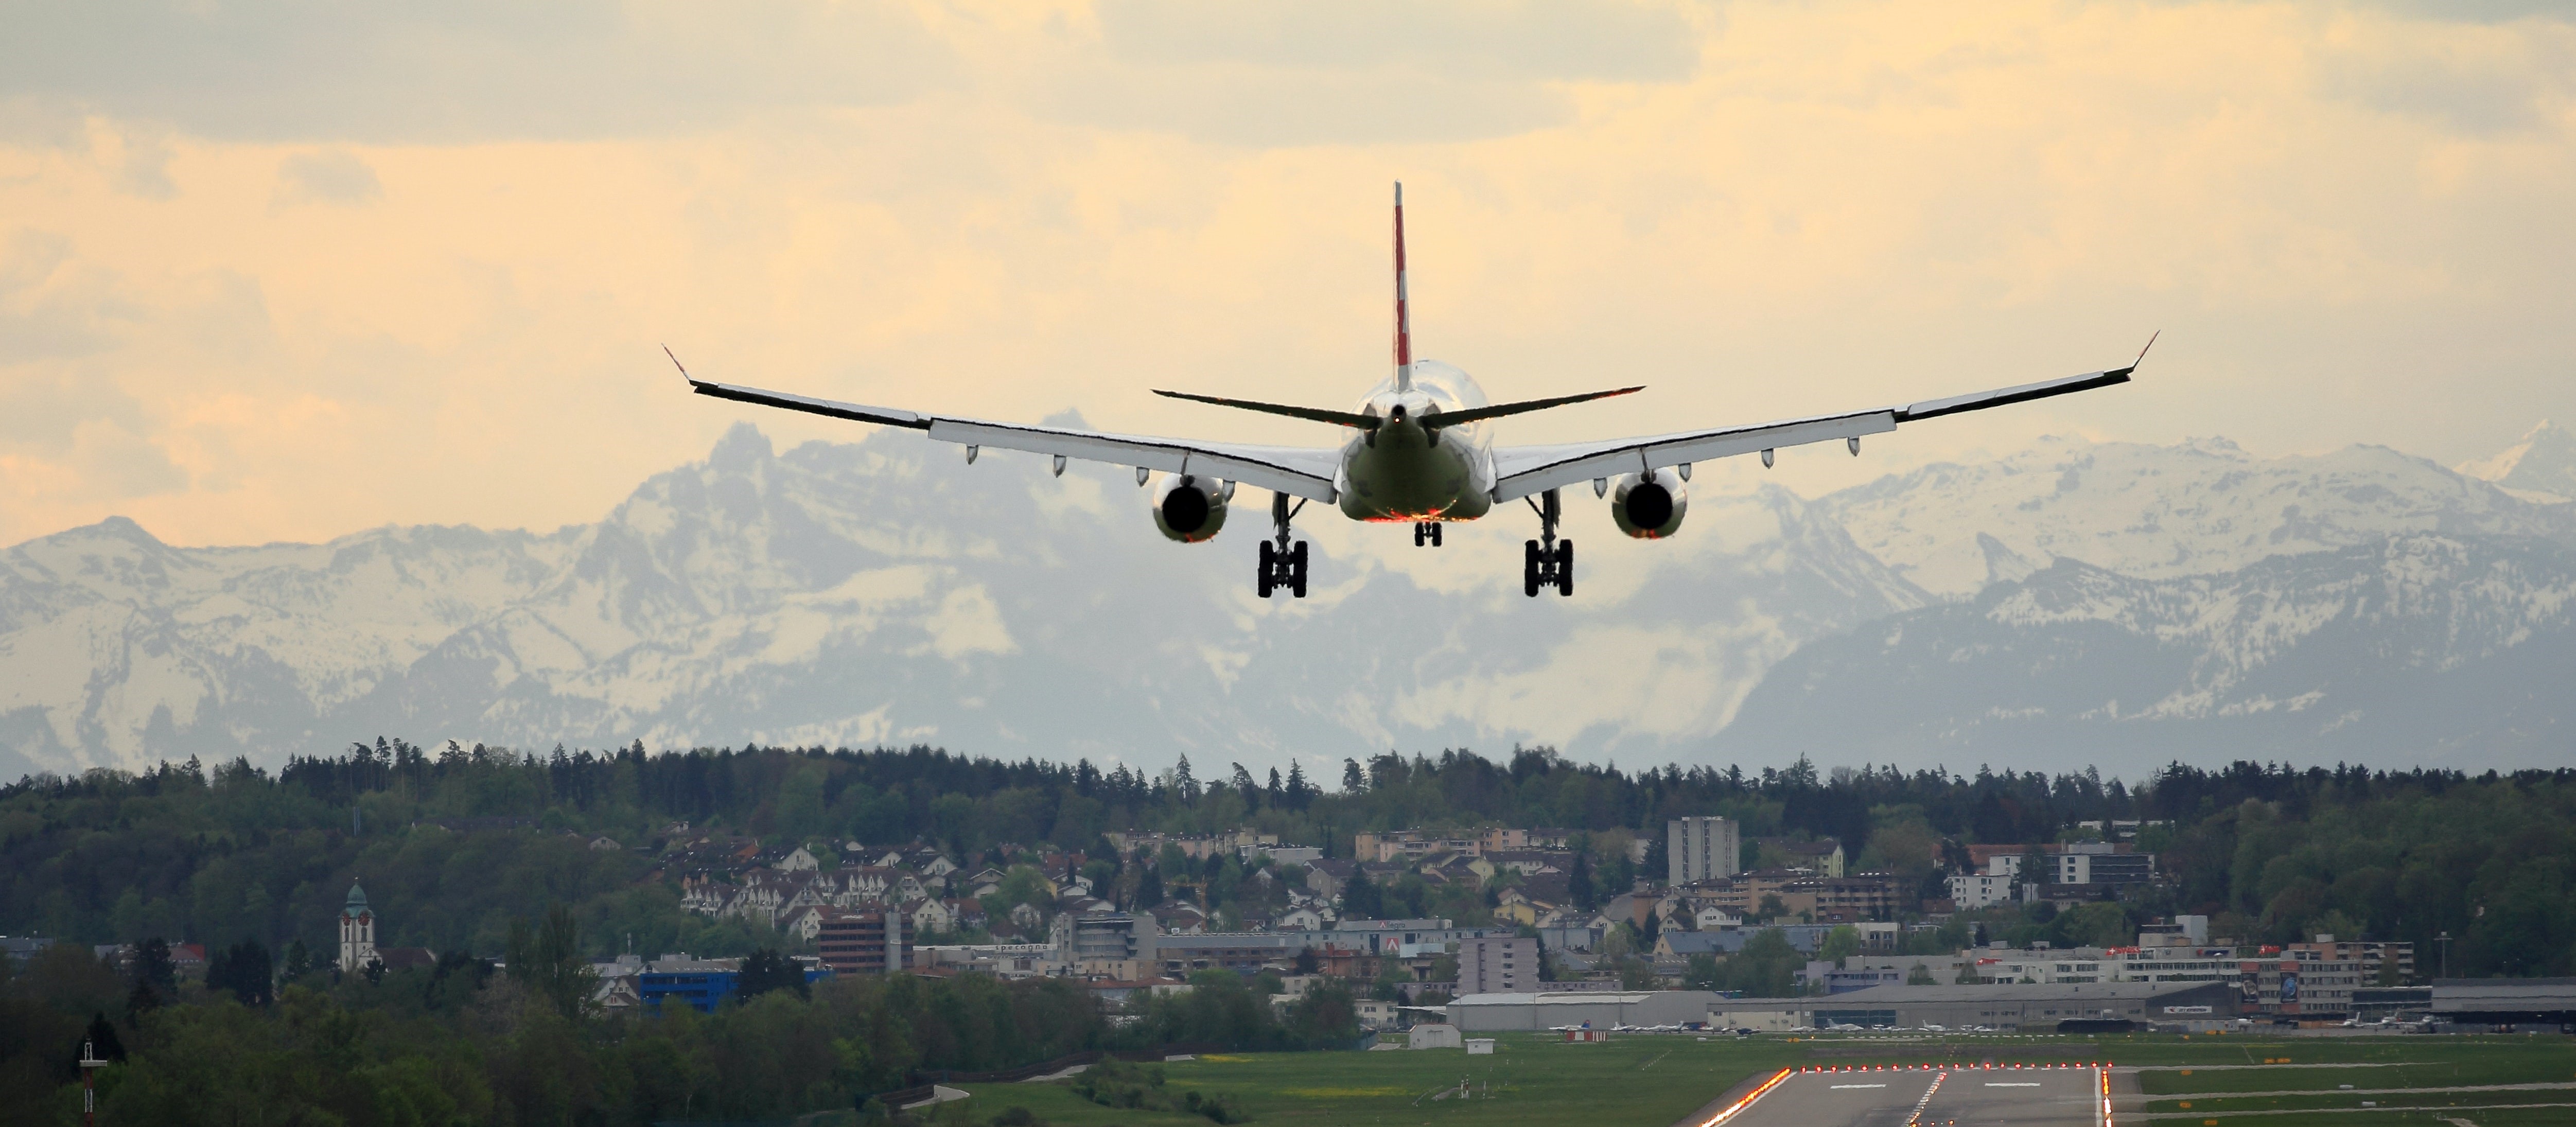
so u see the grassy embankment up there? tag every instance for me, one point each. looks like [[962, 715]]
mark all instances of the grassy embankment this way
[[1651, 1081]]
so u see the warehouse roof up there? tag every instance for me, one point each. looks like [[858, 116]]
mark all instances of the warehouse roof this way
[[1565, 998], [2500, 995], [2012, 992]]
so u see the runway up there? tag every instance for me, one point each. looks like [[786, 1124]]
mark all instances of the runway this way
[[1920, 1096]]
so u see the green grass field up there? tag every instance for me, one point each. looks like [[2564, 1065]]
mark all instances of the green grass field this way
[[1651, 1081]]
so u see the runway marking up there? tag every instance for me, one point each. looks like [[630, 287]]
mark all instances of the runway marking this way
[[1917, 1118], [1738, 1107]]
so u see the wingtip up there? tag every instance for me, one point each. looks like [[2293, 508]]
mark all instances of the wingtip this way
[[675, 362], [2142, 353]]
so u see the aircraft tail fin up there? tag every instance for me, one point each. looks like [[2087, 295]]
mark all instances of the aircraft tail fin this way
[[1403, 317]]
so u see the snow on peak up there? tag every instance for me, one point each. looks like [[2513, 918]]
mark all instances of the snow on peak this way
[[2540, 468], [2156, 511]]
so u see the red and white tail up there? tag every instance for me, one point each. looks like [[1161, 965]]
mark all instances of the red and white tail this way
[[1403, 321]]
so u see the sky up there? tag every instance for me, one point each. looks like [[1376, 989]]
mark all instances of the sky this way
[[282, 271]]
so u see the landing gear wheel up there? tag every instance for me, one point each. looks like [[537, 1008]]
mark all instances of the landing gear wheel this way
[[1283, 564], [1547, 561], [1426, 532]]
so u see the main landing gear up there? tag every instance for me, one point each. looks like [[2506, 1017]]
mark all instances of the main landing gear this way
[[1549, 562], [1426, 532], [1282, 564]]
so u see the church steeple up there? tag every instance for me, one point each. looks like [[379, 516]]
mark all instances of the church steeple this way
[[357, 931]]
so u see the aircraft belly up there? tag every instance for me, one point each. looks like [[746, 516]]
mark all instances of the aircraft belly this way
[[1420, 483]]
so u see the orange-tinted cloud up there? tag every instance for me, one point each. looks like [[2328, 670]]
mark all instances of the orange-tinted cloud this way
[[289, 270]]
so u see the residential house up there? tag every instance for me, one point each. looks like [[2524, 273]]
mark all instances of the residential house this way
[[1824, 856], [1497, 840], [933, 915], [1302, 918], [1327, 876], [1531, 861]]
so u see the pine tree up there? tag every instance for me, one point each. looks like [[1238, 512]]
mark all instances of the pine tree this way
[[766, 970], [1299, 792], [1149, 888], [1353, 781]]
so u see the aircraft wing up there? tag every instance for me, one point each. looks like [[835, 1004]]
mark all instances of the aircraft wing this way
[[1523, 470], [1298, 471]]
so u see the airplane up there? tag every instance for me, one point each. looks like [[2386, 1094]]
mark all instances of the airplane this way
[[1416, 449]]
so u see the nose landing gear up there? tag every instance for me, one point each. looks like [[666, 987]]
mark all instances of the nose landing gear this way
[[1548, 561], [1282, 564], [1426, 532]]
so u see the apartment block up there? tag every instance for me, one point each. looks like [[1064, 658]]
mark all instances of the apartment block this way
[[1497, 966], [862, 942], [1702, 848]]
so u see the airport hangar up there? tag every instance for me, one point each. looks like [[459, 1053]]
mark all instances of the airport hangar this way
[[2505, 1001], [2018, 1006], [2026, 1006], [1602, 1009]]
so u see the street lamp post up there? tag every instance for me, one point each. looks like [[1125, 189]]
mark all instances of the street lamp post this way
[[2444, 938]]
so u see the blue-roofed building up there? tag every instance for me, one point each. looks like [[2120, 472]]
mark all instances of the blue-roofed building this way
[[701, 984]]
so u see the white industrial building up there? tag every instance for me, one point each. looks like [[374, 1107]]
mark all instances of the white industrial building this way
[[1602, 1009]]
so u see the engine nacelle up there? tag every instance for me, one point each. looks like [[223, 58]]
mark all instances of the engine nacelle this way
[[1649, 506], [1190, 508]]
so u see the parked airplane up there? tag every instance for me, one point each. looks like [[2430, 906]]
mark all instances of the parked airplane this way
[[1416, 451]]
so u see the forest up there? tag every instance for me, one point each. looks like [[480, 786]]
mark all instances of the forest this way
[[466, 849], [235, 853]]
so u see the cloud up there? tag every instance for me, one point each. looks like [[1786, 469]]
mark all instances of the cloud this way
[[2487, 82], [1447, 40], [474, 69], [39, 319], [1279, 72], [331, 176], [143, 165]]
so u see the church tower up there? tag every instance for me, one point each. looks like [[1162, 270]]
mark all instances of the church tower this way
[[357, 932]]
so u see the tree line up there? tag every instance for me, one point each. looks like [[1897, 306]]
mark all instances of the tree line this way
[[234, 853], [463, 1042]]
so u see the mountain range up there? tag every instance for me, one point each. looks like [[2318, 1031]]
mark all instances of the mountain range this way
[[2124, 604]]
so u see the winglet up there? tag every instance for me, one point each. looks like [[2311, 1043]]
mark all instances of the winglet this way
[[1403, 320], [2142, 353], [675, 362]]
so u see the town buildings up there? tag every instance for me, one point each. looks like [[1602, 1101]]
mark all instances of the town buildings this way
[[1702, 848], [1497, 965], [862, 941]]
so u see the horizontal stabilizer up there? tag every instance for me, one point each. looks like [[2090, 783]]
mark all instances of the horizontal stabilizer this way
[[1310, 414], [1480, 414], [1434, 420]]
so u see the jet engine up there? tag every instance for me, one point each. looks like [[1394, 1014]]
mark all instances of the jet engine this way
[[1649, 506], [1190, 508]]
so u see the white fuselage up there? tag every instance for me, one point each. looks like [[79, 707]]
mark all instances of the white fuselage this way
[[1404, 471]]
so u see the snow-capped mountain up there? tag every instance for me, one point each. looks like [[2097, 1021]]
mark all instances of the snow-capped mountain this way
[[876, 592], [2417, 648], [2159, 511], [2540, 468], [883, 592]]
